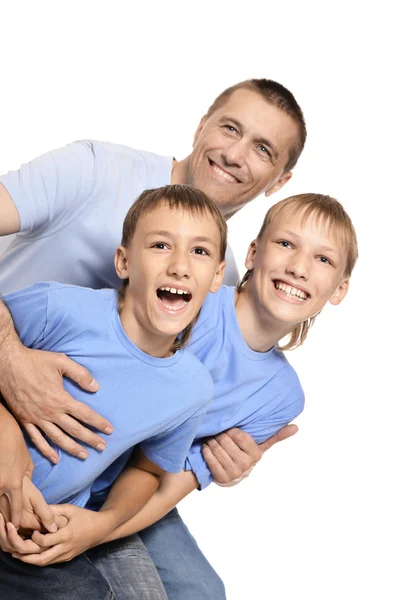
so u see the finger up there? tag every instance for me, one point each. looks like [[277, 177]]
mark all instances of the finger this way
[[15, 497], [243, 460], [48, 540], [80, 375], [17, 544], [223, 458], [282, 434], [218, 472], [43, 511], [41, 444], [41, 559], [84, 413], [80, 432], [245, 442], [4, 543], [62, 440]]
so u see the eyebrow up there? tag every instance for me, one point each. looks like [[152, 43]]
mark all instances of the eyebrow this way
[[325, 248], [198, 238], [261, 140]]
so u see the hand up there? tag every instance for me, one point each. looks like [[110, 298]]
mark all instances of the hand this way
[[13, 541], [33, 388], [15, 464], [84, 529], [232, 455], [35, 512]]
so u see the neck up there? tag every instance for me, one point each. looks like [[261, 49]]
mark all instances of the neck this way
[[180, 171], [260, 331], [151, 343]]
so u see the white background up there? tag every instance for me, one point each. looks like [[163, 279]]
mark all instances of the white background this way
[[318, 516]]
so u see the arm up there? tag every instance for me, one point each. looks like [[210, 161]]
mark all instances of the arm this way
[[41, 194], [9, 215], [31, 382]]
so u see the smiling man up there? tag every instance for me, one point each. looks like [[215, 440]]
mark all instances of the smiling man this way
[[67, 207]]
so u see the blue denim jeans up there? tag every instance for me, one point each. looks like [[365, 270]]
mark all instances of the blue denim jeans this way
[[129, 575], [184, 570]]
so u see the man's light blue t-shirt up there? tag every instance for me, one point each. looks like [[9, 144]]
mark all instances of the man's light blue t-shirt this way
[[157, 402], [259, 392], [72, 203]]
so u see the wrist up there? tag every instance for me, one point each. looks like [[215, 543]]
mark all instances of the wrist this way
[[105, 523]]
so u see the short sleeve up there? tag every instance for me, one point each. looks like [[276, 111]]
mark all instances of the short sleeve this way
[[28, 308], [261, 426], [170, 448], [50, 189]]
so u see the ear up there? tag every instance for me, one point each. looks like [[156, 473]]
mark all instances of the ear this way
[[218, 278], [250, 259], [285, 177], [120, 262], [199, 129], [340, 292]]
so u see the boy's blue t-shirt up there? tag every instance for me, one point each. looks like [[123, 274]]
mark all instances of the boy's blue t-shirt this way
[[259, 392], [157, 402]]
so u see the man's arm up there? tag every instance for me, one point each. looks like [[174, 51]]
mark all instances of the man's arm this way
[[9, 215]]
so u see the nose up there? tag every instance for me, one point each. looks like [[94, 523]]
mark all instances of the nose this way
[[299, 266], [179, 265], [234, 153]]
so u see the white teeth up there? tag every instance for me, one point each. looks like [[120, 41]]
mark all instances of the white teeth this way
[[291, 290], [173, 290], [223, 174]]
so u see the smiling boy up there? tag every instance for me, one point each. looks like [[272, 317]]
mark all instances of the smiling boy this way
[[171, 255]]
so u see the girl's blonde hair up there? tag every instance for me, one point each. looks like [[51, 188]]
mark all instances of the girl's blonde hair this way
[[329, 212]]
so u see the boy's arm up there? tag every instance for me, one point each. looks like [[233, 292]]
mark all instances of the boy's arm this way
[[173, 488]]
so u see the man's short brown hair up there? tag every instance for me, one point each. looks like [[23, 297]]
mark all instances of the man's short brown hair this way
[[276, 94]]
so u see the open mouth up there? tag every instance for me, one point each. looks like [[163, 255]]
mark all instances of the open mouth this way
[[221, 173], [172, 298], [291, 291]]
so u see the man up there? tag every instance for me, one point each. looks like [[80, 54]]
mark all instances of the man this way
[[246, 145]]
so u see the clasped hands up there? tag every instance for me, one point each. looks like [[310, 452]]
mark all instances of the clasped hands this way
[[50, 533]]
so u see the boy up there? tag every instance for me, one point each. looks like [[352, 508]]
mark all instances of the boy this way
[[171, 256]]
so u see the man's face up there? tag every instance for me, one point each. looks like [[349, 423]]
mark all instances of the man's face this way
[[297, 268], [241, 151], [172, 262]]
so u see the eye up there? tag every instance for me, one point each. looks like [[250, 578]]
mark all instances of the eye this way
[[159, 246], [324, 260], [230, 128], [201, 251], [285, 244]]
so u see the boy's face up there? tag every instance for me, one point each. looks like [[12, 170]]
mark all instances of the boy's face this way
[[172, 262], [298, 267], [241, 150]]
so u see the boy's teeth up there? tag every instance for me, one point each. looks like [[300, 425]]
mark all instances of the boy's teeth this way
[[173, 290], [291, 290]]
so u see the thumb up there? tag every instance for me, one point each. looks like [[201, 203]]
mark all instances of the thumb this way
[[282, 434], [80, 375]]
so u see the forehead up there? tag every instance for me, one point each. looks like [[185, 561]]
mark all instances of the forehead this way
[[314, 226], [258, 117], [178, 220]]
